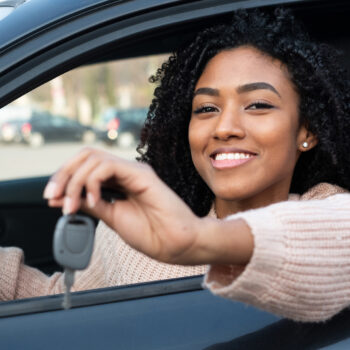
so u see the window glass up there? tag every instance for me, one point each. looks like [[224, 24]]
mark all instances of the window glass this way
[[102, 105]]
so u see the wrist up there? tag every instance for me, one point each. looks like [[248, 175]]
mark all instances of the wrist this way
[[222, 242]]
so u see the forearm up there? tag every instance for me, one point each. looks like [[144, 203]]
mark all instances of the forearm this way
[[18, 280], [220, 242]]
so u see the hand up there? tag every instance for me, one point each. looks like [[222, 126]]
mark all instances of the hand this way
[[153, 219]]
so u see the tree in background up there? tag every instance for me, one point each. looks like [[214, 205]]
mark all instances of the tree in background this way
[[84, 93]]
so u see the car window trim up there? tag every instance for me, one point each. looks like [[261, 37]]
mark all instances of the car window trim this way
[[29, 194], [101, 296], [77, 10]]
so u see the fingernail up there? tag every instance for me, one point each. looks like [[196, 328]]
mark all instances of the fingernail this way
[[90, 200], [50, 190], [67, 206]]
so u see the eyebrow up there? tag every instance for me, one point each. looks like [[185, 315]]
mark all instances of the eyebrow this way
[[207, 91], [241, 89], [257, 86]]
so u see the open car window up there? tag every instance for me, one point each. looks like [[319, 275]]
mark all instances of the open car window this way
[[102, 105]]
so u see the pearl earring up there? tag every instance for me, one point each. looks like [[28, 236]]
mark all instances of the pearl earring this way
[[305, 144]]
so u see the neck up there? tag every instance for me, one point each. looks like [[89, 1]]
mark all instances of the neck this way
[[224, 207]]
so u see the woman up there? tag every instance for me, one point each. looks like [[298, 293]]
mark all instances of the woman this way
[[246, 114]]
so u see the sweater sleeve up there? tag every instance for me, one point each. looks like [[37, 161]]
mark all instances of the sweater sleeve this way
[[300, 267], [113, 263], [18, 280]]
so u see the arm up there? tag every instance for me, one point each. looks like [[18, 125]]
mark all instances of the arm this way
[[297, 256], [300, 265], [113, 263], [18, 280]]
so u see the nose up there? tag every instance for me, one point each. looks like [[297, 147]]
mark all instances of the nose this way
[[229, 125]]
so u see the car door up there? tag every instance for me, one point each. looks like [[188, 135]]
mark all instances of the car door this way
[[63, 129], [174, 314]]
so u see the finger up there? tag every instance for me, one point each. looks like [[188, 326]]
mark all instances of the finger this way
[[77, 181], [133, 177], [58, 181], [102, 210], [117, 215], [101, 173], [55, 203]]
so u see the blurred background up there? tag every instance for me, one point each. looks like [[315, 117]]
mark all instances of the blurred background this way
[[102, 105]]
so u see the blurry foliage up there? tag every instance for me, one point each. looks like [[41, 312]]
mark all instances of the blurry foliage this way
[[84, 93]]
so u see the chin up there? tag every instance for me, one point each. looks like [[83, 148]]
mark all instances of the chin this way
[[232, 194]]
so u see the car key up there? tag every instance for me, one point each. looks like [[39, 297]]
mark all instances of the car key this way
[[72, 247]]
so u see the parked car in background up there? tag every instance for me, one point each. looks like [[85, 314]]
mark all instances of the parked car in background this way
[[41, 40], [123, 127], [10, 131], [43, 127], [11, 120]]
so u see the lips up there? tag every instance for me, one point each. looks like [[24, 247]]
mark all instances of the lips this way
[[230, 157]]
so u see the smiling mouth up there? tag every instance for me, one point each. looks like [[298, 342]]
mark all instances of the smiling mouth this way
[[230, 159]]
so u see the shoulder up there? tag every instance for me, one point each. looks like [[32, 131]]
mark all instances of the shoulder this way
[[322, 190]]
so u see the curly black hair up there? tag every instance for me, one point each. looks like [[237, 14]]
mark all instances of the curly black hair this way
[[321, 83]]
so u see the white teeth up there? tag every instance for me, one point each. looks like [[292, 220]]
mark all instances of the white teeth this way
[[224, 156]]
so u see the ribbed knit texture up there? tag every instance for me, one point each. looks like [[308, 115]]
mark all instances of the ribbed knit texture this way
[[113, 263], [300, 266]]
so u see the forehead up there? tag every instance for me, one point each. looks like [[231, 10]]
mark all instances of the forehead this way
[[244, 65]]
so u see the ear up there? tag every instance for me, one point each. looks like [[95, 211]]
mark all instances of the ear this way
[[306, 140]]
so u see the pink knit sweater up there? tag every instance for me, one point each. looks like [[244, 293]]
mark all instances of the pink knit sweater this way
[[300, 266]]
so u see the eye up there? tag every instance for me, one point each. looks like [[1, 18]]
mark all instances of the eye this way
[[205, 109], [259, 105]]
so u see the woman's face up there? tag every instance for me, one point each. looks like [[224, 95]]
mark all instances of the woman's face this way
[[244, 132]]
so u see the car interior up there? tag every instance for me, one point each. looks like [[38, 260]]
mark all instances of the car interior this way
[[27, 222]]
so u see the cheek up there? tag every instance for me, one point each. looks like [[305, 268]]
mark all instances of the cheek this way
[[198, 135], [191, 135], [279, 141]]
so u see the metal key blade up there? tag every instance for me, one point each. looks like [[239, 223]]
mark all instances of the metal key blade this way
[[68, 282], [72, 247]]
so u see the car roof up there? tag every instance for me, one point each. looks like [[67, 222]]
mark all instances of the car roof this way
[[36, 15]]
